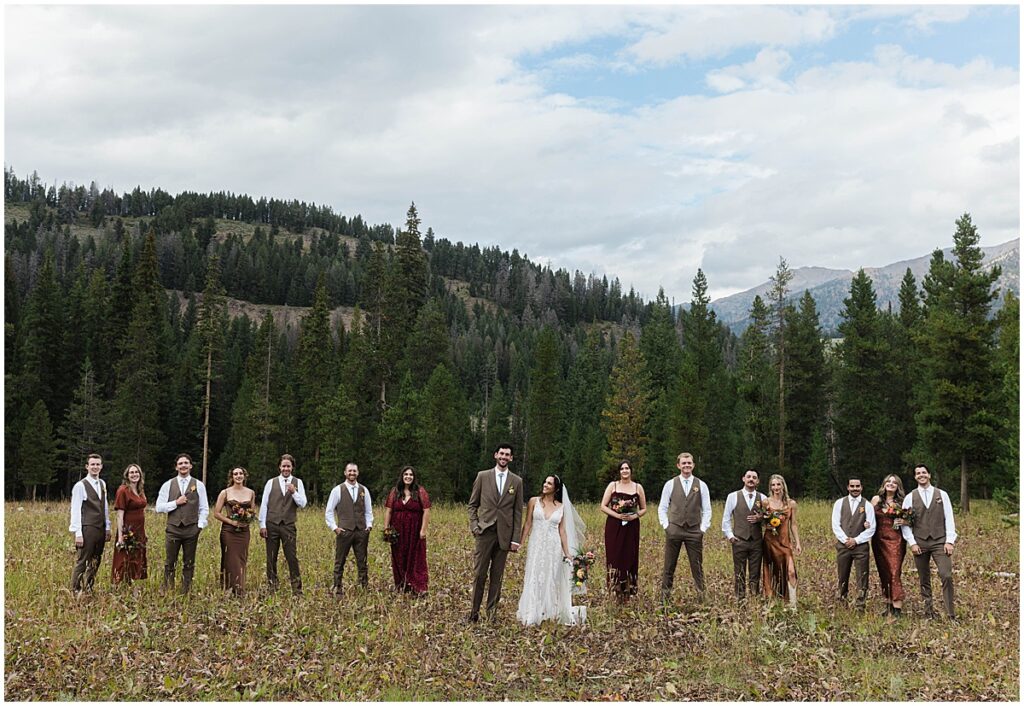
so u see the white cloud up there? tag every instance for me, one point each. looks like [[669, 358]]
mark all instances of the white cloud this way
[[366, 109]]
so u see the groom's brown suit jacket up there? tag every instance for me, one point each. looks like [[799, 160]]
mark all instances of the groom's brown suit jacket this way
[[505, 512]]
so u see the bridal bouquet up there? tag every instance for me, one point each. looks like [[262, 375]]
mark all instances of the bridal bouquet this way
[[581, 569], [773, 518], [241, 513], [390, 535], [624, 506]]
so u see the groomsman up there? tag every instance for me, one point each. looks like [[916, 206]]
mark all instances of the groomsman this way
[[184, 500], [495, 519], [281, 497], [90, 521], [853, 524], [685, 515], [742, 528], [349, 515], [931, 538]]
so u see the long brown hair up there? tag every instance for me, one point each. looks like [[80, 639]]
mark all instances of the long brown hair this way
[[231, 480], [900, 493], [141, 488]]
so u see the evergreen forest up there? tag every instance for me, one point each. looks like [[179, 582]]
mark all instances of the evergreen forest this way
[[236, 329]]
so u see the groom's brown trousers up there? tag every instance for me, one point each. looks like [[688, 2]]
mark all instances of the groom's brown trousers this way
[[488, 554]]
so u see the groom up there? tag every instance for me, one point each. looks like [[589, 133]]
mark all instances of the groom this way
[[495, 519]]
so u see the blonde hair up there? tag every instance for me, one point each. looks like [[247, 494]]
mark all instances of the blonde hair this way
[[785, 488], [684, 454]]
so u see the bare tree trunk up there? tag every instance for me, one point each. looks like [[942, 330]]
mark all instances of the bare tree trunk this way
[[206, 408], [782, 402], [965, 500]]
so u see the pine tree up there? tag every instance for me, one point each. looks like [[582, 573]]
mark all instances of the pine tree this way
[[624, 419], [780, 288], [584, 394], [411, 270], [211, 324], [1008, 366], [543, 416], [428, 345], [443, 431], [39, 467], [659, 345], [397, 437], [756, 387], [956, 420], [86, 428], [43, 327], [863, 425], [805, 396], [316, 375]]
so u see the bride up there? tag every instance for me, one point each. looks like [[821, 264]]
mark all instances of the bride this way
[[555, 531]]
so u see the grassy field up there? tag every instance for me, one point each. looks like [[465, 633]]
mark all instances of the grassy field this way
[[137, 644]]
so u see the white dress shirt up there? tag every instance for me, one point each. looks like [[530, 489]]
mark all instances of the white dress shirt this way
[[500, 479], [165, 505], [705, 501], [332, 502], [869, 517], [78, 497], [730, 505], [927, 495], [298, 497]]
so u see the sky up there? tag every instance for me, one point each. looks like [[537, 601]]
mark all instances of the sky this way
[[641, 142]]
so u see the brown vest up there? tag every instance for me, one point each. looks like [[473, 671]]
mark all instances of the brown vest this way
[[930, 522], [740, 527], [280, 508], [92, 506], [852, 522], [187, 514], [351, 515], [684, 510]]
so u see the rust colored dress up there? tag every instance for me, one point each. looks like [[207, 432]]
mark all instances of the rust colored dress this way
[[890, 549], [234, 554], [776, 555], [130, 566], [409, 553]]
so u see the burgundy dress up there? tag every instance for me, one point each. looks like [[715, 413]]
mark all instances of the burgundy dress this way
[[889, 549], [409, 553], [129, 566], [622, 549]]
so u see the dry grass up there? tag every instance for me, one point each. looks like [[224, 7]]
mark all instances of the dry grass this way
[[137, 644]]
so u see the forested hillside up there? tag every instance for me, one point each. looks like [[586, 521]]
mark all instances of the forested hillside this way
[[132, 319]]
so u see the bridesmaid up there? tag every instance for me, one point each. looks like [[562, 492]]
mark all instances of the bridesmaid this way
[[778, 569], [625, 503], [407, 509], [130, 508], [888, 544], [234, 534]]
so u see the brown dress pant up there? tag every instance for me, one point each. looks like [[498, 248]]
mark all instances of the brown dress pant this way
[[746, 565], [184, 539], [278, 536], [934, 550], [489, 560], [88, 557], [357, 541], [847, 559], [675, 538]]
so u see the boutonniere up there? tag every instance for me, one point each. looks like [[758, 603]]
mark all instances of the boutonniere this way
[[939, 500], [696, 488], [862, 509], [360, 496], [512, 490], [192, 488]]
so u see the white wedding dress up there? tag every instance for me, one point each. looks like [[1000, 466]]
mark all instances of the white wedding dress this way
[[547, 589]]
